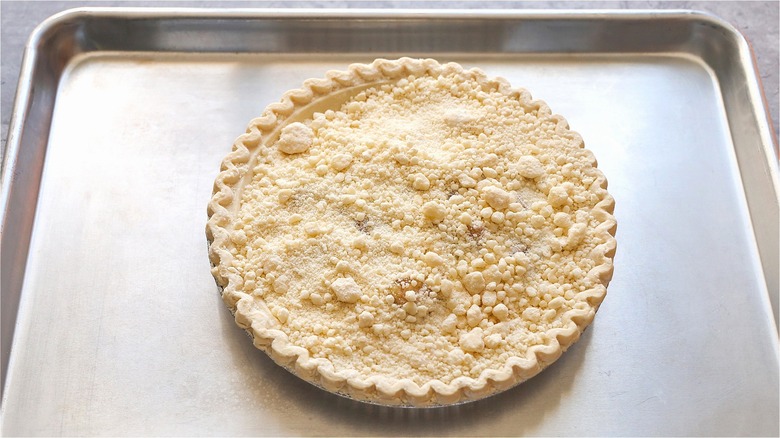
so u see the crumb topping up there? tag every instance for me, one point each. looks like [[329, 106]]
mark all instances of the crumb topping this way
[[426, 229]]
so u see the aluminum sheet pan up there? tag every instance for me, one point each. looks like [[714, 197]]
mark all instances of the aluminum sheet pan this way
[[113, 321]]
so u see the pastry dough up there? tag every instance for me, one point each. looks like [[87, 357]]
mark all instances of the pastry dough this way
[[411, 233]]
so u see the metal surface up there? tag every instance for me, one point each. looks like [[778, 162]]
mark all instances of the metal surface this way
[[119, 329]]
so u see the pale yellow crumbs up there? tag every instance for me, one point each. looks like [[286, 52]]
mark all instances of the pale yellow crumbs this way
[[427, 229]]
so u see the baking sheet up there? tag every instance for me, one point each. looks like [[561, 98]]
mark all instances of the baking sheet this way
[[119, 328]]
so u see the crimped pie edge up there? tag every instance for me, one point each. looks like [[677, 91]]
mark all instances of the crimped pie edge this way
[[259, 322]]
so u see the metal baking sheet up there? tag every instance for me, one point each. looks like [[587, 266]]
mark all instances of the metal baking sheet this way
[[112, 319]]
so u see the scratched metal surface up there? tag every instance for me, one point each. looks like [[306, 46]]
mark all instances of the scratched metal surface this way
[[119, 329]]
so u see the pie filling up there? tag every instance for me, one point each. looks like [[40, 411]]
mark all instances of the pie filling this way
[[433, 228]]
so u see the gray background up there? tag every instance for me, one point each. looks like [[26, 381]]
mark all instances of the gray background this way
[[757, 20]]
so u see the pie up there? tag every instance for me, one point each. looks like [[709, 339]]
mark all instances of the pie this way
[[411, 233]]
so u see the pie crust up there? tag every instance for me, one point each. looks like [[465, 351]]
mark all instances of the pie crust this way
[[411, 233]]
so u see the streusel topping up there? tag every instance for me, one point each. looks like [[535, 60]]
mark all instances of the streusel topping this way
[[430, 228]]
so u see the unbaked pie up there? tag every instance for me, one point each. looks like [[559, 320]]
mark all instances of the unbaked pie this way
[[411, 233]]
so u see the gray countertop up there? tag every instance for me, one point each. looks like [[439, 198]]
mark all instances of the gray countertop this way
[[757, 20]]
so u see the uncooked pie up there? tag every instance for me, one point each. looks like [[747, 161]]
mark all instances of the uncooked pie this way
[[411, 233]]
